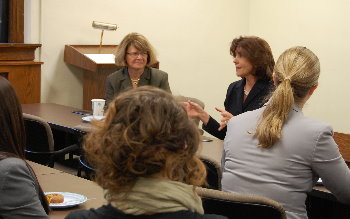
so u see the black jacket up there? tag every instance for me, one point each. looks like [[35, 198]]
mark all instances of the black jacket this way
[[235, 105]]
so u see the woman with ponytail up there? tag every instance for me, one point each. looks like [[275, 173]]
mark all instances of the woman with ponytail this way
[[276, 151], [20, 193]]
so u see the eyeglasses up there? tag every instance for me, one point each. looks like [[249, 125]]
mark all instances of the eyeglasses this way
[[136, 54]]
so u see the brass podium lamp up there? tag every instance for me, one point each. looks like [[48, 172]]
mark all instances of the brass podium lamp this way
[[103, 26]]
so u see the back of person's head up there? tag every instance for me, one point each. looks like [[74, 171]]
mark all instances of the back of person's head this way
[[12, 135], [140, 43], [296, 72], [257, 51], [146, 132]]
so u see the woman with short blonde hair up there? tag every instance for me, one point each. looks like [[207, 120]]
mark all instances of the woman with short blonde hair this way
[[140, 43], [135, 55]]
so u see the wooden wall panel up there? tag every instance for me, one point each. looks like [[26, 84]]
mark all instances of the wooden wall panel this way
[[18, 66], [16, 21], [94, 85], [25, 79]]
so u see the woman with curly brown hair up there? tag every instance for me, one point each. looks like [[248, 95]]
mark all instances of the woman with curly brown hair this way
[[145, 158], [254, 64]]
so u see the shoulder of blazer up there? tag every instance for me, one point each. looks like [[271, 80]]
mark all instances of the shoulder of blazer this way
[[156, 72], [15, 165], [264, 84], [234, 86], [119, 75]]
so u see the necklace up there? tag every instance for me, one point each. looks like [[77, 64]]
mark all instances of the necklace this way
[[246, 92], [134, 82]]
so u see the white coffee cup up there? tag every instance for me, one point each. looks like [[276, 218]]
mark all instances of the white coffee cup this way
[[98, 107]]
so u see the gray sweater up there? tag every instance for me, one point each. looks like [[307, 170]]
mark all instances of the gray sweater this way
[[19, 192], [287, 171]]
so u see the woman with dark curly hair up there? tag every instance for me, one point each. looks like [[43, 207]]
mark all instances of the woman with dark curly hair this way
[[254, 64], [144, 153]]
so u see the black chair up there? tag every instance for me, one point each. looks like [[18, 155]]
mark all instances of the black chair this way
[[239, 205], [85, 167], [40, 147], [214, 173]]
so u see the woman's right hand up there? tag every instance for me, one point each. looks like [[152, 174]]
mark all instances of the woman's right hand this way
[[194, 110], [226, 116]]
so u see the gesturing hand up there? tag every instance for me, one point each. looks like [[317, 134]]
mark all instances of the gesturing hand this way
[[194, 110], [225, 117]]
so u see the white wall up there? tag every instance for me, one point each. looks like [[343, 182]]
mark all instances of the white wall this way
[[32, 23], [192, 38], [323, 27]]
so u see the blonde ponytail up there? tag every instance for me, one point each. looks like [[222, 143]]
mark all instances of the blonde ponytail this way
[[296, 71], [269, 128]]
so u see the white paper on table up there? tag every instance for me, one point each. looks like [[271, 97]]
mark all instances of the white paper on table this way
[[102, 58]]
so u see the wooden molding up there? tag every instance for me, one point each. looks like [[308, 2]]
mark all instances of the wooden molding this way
[[16, 21], [17, 65], [18, 51]]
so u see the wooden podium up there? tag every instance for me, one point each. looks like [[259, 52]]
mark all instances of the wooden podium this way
[[97, 64], [17, 65]]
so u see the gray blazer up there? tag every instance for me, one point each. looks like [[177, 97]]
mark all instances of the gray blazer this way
[[288, 170], [19, 192], [120, 80]]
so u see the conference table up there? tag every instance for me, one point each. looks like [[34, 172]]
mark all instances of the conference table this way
[[70, 119], [53, 180], [59, 116]]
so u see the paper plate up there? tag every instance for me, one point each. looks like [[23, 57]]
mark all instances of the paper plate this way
[[70, 200], [89, 118]]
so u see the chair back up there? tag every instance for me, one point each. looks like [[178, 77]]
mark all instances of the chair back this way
[[195, 100], [343, 142], [40, 145], [39, 134], [85, 167], [214, 173], [39, 138], [239, 205]]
